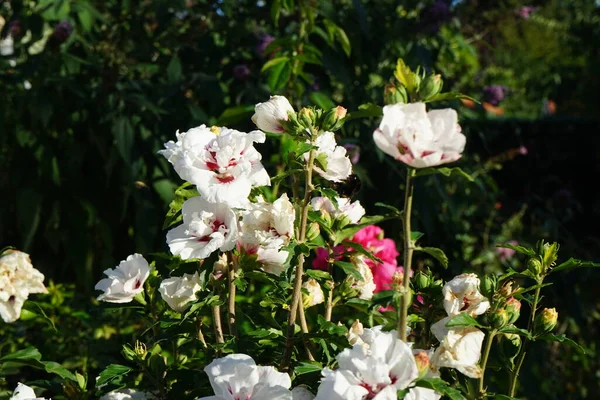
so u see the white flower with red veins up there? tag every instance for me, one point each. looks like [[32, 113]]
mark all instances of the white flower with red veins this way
[[351, 211], [461, 294], [419, 138], [268, 115], [221, 162], [265, 229], [376, 369], [331, 162], [206, 227], [237, 377], [179, 291], [460, 348], [125, 281]]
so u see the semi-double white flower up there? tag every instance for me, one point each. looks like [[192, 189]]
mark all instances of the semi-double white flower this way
[[24, 392], [179, 291], [126, 394], [206, 227], [18, 278], [335, 164], [125, 281], [237, 376], [376, 369], [351, 211], [315, 293], [268, 115], [419, 138], [221, 162], [461, 294], [367, 285], [265, 229], [460, 348]]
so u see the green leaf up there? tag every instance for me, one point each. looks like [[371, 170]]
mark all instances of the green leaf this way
[[234, 115], [318, 274], [441, 387], [273, 62], [343, 40], [450, 96], [31, 357], [111, 372], [366, 111], [519, 249], [359, 248], [444, 171], [463, 319], [405, 76], [124, 136], [414, 235], [397, 212], [308, 368], [275, 11], [349, 269], [321, 100], [438, 254], [516, 331], [279, 76], [182, 193], [174, 70], [550, 337], [573, 263], [29, 353], [350, 230], [57, 369]]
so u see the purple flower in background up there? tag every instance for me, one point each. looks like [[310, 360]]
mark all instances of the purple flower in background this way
[[436, 15], [526, 11], [15, 29], [505, 253], [263, 41], [62, 31], [494, 94], [241, 71], [353, 152]]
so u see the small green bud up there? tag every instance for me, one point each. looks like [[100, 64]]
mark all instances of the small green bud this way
[[499, 318], [488, 285], [513, 308], [395, 94], [545, 321], [307, 117], [313, 231], [535, 266], [140, 349], [431, 85], [333, 119], [422, 281]]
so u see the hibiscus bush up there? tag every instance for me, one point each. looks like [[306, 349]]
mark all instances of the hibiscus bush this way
[[279, 286]]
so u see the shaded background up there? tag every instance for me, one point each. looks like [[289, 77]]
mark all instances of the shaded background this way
[[92, 89]]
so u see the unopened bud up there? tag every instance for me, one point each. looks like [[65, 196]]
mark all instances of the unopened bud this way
[[398, 279], [535, 266], [488, 285], [395, 94], [140, 349], [354, 333], [334, 119], [307, 118], [128, 352], [313, 231], [545, 321], [422, 361], [499, 318], [422, 281], [431, 85], [513, 308]]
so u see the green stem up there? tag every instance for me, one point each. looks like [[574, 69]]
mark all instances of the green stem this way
[[408, 251], [297, 292], [329, 304], [216, 312], [515, 375], [484, 360], [231, 298]]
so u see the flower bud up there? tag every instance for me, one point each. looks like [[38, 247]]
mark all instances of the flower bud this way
[[307, 117], [140, 349], [422, 281], [272, 115], [313, 231], [499, 318], [507, 289], [535, 266], [545, 321], [128, 352], [488, 285], [333, 119], [354, 333], [395, 94], [315, 293], [431, 85], [422, 361], [513, 308]]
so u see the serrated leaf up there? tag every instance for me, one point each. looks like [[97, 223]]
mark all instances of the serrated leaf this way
[[441, 387], [463, 319], [519, 249], [573, 263], [111, 372], [550, 337], [444, 171], [438, 254], [273, 62], [450, 96], [307, 368], [349, 269]]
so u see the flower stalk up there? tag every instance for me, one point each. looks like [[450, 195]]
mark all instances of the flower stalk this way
[[216, 312], [231, 297], [329, 303], [484, 359], [409, 247], [297, 291]]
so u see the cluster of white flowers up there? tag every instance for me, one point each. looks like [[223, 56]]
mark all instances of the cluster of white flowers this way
[[18, 279], [460, 347], [350, 212]]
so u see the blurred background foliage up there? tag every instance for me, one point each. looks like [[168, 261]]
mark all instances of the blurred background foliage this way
[[92, 89]]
